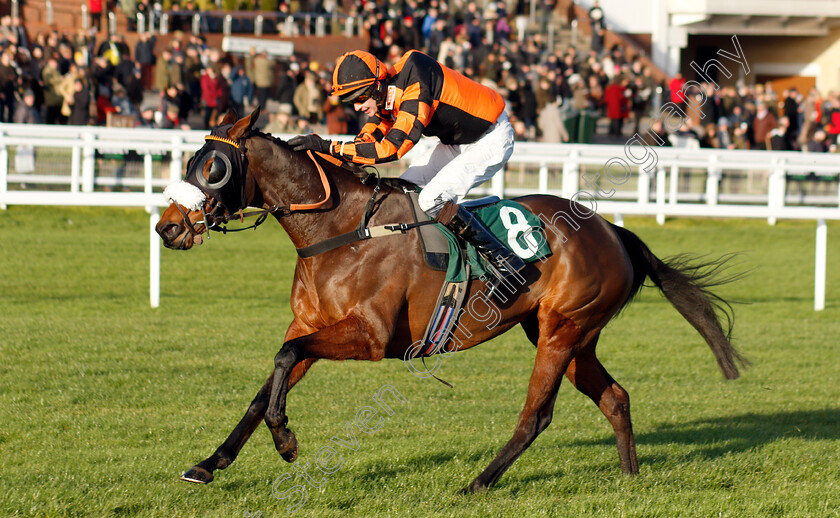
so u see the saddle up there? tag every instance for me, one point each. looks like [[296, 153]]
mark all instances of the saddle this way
[[434, 243]]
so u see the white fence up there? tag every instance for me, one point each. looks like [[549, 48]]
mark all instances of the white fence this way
[[570, 170]]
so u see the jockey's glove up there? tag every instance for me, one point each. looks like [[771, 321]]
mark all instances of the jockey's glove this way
[[311, 141]]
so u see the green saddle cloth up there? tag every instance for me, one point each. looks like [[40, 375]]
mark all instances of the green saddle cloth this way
[[514, 225]]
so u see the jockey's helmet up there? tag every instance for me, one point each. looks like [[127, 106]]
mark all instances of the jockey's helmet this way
[[358, 75]]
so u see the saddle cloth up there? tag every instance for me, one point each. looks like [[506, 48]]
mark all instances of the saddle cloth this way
[[514, 225]]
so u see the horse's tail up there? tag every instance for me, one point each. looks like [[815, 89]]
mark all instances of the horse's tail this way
[[686, 283]]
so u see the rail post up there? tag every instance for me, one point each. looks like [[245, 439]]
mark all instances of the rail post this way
[[154, 258], [674, 187], [819, 267], [497, 184], [660, 194], [176, 165], [776, 187], [713, 176], [643, 189], [543, 179], [75, 168], [4, 170], [571, 174], [88, 162], [148, 172]]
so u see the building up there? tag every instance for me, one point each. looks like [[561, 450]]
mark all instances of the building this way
[[788, 42]]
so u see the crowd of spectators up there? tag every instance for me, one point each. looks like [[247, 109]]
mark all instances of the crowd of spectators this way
[[59, 78]]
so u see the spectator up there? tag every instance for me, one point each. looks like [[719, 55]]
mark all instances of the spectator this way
[[616, 102], [308, 100], [641, 91], [776, 140], [725, 137], [657, 135], [134, 89], [67, 89], [80, 107], [408, 35], [599, 27], [53, 98], [261, 74], [817, 143], [95, 10], [121, 103], [8, 85], [675, 87], [280, 123], [763, 124], [551, 124], [162, 71], [211, 93], [241, 90], [26, 112], [336, 116], [286, 87], [192, 72]]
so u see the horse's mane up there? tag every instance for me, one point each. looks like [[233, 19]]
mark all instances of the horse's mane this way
[[364, 174]]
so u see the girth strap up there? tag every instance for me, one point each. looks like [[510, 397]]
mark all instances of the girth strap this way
[[360, 234]]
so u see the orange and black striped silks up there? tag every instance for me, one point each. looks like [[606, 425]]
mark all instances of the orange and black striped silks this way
[[424, 98]]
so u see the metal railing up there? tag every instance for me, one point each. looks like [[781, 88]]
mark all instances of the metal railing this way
[[251, 22]]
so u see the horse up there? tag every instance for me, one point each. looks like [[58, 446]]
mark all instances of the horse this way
[[595, 270]]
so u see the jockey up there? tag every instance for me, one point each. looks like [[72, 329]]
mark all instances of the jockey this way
[[419, 96]]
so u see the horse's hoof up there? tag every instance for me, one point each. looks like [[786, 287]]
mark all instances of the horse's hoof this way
[[291, 454], [197, 475], [473, 488]]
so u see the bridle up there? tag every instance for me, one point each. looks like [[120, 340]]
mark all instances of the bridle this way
[[214, 220]]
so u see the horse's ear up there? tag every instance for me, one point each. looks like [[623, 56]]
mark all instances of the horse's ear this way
[[244, 125], [229, 118]]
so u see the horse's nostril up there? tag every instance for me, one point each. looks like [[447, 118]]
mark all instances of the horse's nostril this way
[[171, 230]]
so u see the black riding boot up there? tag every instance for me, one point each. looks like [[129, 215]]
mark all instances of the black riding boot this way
[[464, 224]]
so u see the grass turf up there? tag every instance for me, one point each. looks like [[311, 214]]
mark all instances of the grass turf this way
[[104, 401]]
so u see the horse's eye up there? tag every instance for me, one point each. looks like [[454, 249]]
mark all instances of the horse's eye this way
[[217, 171]]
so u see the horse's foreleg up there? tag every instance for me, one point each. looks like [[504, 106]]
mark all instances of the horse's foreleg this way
[[554, 353], [589, 376], [349, 339], [227, 452]]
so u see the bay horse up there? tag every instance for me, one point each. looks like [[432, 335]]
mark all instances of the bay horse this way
[[372, 299]]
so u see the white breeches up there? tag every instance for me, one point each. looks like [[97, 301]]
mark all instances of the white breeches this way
[[447, 173]]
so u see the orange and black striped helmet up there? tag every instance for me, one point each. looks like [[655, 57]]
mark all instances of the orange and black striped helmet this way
[[355, 73]]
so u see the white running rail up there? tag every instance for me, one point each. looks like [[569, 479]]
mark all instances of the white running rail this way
[[578, 169]]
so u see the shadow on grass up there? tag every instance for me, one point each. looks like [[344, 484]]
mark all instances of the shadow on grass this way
[[420, 463], [715, 437]]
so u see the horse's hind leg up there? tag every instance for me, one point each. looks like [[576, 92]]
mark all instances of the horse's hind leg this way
[[588, 375], [554, 352], [227, 452]]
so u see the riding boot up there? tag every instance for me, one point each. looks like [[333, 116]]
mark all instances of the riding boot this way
[[464, 224]]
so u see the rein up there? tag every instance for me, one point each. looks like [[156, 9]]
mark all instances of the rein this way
[[261, 215], [361, 233], [284, 210]]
